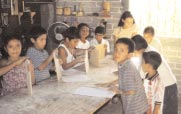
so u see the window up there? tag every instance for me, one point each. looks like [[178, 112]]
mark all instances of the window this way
[[163, 15]]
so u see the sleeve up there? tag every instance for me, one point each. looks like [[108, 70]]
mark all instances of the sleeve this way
[[159, 91], [108, 46], [115, 32]]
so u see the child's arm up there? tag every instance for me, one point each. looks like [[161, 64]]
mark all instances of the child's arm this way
[[46, 62], [6, 68], [156, 109], [66, 65]]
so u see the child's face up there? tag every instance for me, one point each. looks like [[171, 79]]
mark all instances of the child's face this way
[[13, 48], [99, 37], [121, 53], [128, 22], [73, 43], [40, 42], [145, 66], [148, 37], [84, 32]]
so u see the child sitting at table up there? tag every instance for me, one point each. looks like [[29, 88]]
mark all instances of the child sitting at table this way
[[39, 56], [99, 38], [83, 32], [13, 66], [67, 50]]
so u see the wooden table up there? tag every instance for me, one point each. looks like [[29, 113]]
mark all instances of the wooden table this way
[[53, 97]]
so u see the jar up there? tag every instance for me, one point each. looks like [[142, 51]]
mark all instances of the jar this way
[[67, 11]]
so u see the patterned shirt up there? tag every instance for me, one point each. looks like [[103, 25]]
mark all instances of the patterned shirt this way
[[130, 80], [154, 90], [14, 79], [38, 57]]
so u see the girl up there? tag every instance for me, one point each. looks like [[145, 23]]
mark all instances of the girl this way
[[67, 49], [13, 66], [126, 27], [83, 33]]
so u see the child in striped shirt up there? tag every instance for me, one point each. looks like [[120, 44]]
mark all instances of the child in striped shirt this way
[[39, 56]]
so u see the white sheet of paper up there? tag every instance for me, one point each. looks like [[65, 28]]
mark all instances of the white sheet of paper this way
[[75, 78], [96, 92], [28, 79]]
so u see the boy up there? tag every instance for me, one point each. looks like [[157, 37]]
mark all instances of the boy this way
[[148, 34], [153, 84], [170, 105], [140, 46], [130, 85], [99, 35], [38, 54]]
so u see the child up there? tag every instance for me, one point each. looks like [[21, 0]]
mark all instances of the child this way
[[13, 66], [38, 54], [170, 105], [148, 34], [83, 33], [99, 34], [140, 46], [67, 50], [153, 84], [126, 27], [130, 85]]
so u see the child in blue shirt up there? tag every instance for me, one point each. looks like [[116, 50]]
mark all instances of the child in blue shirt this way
[[39, 56]]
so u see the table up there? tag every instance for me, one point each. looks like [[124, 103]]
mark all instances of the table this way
[[53, 97]]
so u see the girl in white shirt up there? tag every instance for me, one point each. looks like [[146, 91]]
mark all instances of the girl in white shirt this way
[[83, 33]]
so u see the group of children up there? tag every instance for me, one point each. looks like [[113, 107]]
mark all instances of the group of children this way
[[14, 66], [146, 82], [141, 94]]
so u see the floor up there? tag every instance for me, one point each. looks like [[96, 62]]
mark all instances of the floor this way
[[114, 108]]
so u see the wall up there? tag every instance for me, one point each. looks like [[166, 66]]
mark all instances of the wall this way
[[172, 52]]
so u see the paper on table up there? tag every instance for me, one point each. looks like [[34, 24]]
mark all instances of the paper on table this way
[[57, 65], [96, 92], [73, 75]]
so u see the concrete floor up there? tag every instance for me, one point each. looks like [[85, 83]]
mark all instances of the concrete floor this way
[[112, 108]]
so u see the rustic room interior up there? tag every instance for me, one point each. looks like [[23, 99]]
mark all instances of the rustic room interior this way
[[20, 15]]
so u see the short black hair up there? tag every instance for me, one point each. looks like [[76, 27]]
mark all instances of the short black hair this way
[[71, 33], [153, 58], [36, 31], [127, 42], [80, 26], [149, 29], [100, 30], [140, 42], [6, 39]]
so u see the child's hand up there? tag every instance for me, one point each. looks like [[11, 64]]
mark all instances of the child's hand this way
[[20, 61], [80, 59], [90, 49]]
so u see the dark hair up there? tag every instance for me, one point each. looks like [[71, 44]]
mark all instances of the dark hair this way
[[36, 31], [153, 58], [100, 30], [71, 33], [140, 42], [127, 42], [126, 14], [6, 40], [149, 29], [80, 26]]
